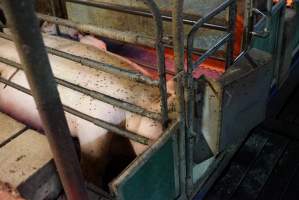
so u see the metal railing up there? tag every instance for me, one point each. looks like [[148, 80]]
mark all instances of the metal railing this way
[[21, 18], [190, 82], [157, 42], [188, 19]]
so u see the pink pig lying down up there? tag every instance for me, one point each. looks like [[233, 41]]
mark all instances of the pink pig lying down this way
[[94, 141]]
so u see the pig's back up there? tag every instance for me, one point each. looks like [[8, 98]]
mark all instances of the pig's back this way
[[96, 80]]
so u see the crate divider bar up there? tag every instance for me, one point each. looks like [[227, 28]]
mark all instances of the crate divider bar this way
[[96, 95], [100, 123]]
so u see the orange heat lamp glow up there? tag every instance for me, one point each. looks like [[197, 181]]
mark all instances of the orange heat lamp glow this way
[[289, 2], [220, 66], [212, 65], [217, 65]]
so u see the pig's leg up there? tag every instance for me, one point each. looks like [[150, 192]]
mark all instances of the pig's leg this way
[[94, 141], [94, 146]]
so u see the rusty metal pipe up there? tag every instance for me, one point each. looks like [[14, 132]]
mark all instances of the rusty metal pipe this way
[[114, 34], [96, 95], [160, 51], [29, 43], [179, 58], [100, 123], [98, 65], [143, 12]]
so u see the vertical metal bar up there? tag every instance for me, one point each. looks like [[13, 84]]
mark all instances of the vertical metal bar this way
[[54, 13], [189, 112], [190, 87], [160, 49], [29, 43], [63, 9], [231, 28], [279, 42], [248, 24], [179, 58]]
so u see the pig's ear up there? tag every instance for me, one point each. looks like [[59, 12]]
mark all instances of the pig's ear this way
[[170, 86]]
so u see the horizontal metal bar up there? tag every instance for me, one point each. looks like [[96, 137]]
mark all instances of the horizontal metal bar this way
[[98, 65], [209, 16], [105, 125], [199, 24], [212, 50], [111, 100], [112, 128], [114, 34], [96, 95], [142, 12]]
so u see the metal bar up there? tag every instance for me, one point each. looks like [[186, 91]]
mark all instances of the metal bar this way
[[112, 101], [160, 49], [212, 50], [96, 95], [114, 34], [179, 58], [199, 24], [128, 37], [279, 42], [190, 88], [98, 65], [209, 16], [231, 27], [141, 12], [55, 13], [29, 43], [112, 128]]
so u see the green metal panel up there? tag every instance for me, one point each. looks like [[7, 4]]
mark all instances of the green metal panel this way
[[154, 174], [273, 43], [155, 180], [268, 44]]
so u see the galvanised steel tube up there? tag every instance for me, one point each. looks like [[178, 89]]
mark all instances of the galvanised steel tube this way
[[100, 123], [160, 50], [98, 65], [128, 37], [96, 95], [29, 43], [212, 50], [199, 24], [179, 58], [231, 27], [141, 12], [190, 93]]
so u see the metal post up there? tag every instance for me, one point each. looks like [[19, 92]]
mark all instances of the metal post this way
[[160, 51], [178, 42], [24, 25], [230, 43]]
